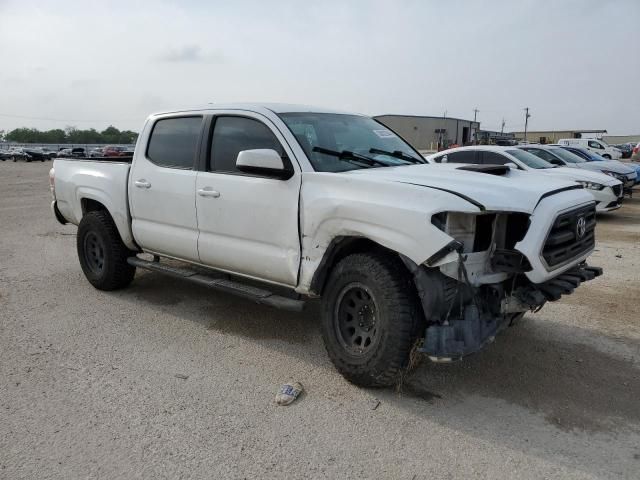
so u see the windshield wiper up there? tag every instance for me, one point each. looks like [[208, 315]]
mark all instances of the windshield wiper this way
[[397, 154], [348, 155]]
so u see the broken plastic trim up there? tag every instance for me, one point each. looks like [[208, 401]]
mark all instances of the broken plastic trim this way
[[452, 246]]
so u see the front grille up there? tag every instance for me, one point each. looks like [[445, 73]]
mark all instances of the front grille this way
[[617, 190], [563, 242]]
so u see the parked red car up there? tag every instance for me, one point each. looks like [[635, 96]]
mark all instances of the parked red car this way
[[113, 151]]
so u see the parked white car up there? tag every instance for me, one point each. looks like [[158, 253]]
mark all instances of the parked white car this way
[[607, 191], [600, 147], [280, 203]]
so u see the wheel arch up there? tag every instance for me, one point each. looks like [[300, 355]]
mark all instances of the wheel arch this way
[[90, 202], [339, 248]]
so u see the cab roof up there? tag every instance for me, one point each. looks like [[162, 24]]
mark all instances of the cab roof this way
[[257, 107]]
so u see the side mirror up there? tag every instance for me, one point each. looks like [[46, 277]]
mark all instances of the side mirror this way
[[511, 165], [263, 161]]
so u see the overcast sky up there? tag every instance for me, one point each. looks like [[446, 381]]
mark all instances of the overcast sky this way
[[576, 64]]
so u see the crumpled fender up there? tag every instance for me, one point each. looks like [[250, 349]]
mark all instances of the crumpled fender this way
[[392, 214]]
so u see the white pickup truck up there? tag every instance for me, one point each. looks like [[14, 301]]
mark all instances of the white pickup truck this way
[[281, 203]]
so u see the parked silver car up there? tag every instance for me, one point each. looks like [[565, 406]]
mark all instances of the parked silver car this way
[[557, 155]]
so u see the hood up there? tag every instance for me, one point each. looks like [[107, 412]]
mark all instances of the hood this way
[[581, 175], [610, 165], [516, 190]]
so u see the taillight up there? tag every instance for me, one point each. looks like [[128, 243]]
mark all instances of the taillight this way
[[52, 185]]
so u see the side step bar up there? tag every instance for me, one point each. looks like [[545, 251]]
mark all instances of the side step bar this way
[[255, 294]]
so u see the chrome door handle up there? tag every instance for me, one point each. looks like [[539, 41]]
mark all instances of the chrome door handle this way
[[208, 192], [142, 184]]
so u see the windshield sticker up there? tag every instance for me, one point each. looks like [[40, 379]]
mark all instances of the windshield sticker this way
[[384, 133]]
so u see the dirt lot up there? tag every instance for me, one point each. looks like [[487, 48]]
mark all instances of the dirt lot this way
[[90, 387]]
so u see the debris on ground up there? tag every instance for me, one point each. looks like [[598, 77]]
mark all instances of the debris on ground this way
[[181, 375], [374, 403], [288, 393]]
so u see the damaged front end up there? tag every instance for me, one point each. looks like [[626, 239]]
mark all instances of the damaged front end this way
[[479, 284]]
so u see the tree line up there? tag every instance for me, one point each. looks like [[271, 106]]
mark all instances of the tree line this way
[[69, 135]]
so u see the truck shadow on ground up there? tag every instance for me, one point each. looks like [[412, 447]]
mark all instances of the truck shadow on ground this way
[[223, 312], [538, 364]]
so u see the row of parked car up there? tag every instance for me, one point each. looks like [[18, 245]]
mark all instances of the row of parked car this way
[[607, 180], [629, 150], [43, 153]]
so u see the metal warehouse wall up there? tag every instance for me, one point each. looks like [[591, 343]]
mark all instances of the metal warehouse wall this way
[[549, 136], [618, 139], [420, 132]]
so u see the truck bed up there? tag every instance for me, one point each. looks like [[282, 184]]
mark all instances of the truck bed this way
[[81, 181], [127, 159]]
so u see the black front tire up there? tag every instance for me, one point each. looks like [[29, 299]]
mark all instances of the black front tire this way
[[370, 318], [102, 254]]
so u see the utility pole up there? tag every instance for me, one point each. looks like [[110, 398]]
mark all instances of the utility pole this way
[[502, 128], [475, 132], [526, 122]]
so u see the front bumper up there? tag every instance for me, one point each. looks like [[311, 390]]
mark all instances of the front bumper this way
[[453, 340], [609, 207], [606, 199]]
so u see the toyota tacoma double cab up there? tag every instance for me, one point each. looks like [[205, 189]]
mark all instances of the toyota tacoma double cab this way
[[282, 203]]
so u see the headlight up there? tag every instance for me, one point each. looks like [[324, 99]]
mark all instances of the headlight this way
[[591, 185], [614, 175]]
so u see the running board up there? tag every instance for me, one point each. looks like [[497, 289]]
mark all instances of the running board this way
[[256, 294]]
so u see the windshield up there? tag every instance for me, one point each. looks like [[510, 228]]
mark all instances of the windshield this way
[[566, 155], [529, 159], [319, 133]]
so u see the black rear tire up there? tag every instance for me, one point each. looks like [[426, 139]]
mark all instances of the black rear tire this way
[[102, 254], [370, 318]]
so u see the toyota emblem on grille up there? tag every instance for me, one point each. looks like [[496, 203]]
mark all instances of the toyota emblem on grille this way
[[581, 227]]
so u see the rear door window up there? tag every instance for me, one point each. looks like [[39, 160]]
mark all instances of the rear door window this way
[[493, 158], [173, 142], [466, 156], [231, 135]]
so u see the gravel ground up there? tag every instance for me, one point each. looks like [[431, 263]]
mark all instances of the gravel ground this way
[[92, 384]]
